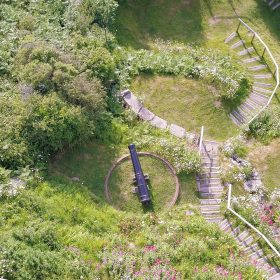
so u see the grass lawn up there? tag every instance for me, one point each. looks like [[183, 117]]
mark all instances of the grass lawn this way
[[186, 102], [90, 163], [266, 159]]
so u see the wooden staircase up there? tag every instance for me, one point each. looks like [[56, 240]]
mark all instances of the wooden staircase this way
[[209, 182], [273, 4], [211, 190], [263, 81]]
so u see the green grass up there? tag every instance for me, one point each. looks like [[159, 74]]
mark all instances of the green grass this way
[[186, 102], [266, 159], [91, 163]]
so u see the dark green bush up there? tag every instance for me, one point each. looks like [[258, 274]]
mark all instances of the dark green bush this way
[[87, 93], [102, 63], [38, 74], [52, 124]]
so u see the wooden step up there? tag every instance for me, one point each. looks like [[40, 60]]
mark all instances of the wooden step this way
[[237, 44], [210, 195], [249, 105], [246, 51], [262, 76], [210, 181], [225, 224], [211, 168], [260, 95], [238, 116], [259, 89], [273, 272], [235, 120], [243, 111], [256, 255], [260, 102], [214, 219], [242, 236], [211, 213], [257, 100], [235, 231], [252, 59], [211, 207], [252, 248], [211, 189], [257, 67], [210, 165], [261, 261], [276, 6], [210, 201], [248, 110], [247, 241], [211, 174], [258, 84], [230, 37]]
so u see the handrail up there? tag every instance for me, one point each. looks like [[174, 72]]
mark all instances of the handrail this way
[[247, 223], [201, 139], [273, 60]]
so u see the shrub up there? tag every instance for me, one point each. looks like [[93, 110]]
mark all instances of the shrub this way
[[102, 63], [37, 74], [52, 124], [13, 147], [235, 147], [205, 64], [87, 93], [266, 126], [27, 23]]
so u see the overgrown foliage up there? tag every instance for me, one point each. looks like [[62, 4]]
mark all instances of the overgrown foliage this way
[[199, 63], [266, 126], [57, 231]]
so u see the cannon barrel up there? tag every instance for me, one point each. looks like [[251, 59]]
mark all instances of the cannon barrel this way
[[139, 176]]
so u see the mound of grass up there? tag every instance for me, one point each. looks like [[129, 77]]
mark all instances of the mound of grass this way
[[186, 102]]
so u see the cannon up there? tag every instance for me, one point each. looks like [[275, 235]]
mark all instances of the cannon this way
[[140, 178]]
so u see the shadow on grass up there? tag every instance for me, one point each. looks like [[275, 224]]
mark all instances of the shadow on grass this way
[[140, 21], [86, 165], [271, 18]]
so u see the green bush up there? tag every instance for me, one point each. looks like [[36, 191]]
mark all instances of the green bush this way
[[52, 124], [206, 64], [13, 147], [87, 93], [266, 126], [102, 64], [38, 74]]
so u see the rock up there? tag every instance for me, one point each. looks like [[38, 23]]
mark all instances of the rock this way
[[13, 187], [26, 91], [158, 122], [134, 104], [75, 179], [177, 131], [189, 212], [252, 186], [145, 114]]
